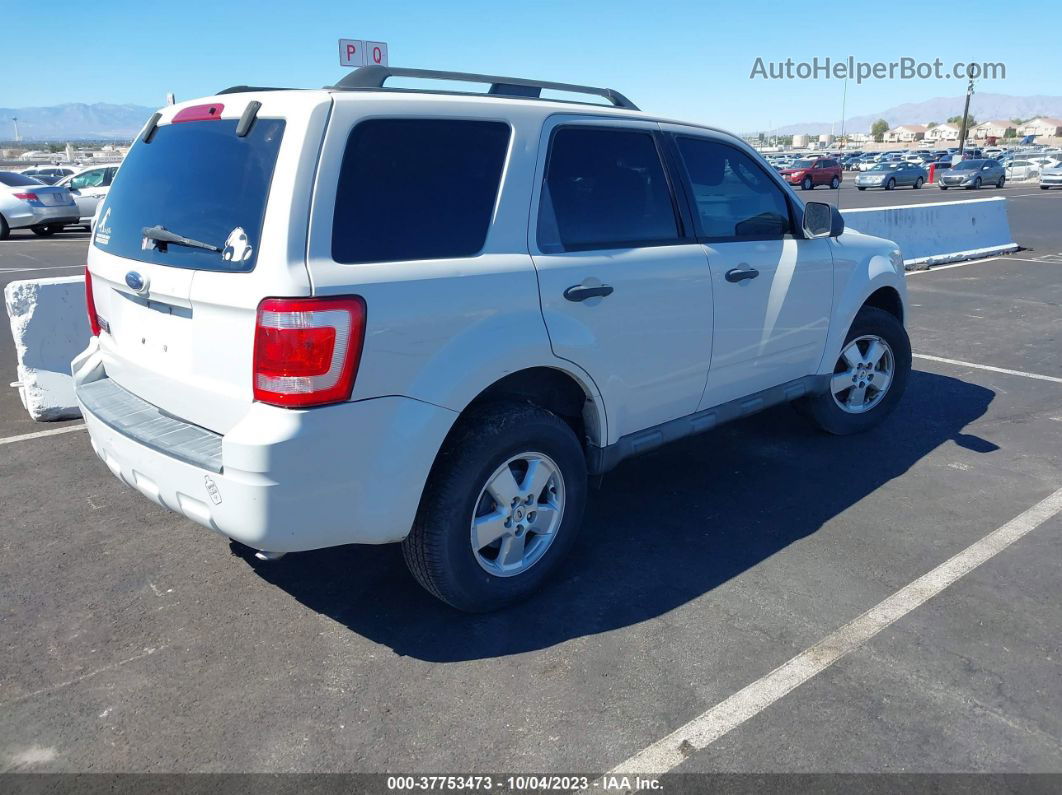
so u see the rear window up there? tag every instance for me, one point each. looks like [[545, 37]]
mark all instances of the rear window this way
[[13, 180], [198, 180], [417, 189]]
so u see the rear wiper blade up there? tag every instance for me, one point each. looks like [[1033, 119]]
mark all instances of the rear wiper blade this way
[[163, 237]]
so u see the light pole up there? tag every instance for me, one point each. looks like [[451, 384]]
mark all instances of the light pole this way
[[965, 118], [18, 138]]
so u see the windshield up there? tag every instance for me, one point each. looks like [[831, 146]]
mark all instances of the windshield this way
[[13, 180], [886, 167], [199, 180], [803, 164], [967, 165]]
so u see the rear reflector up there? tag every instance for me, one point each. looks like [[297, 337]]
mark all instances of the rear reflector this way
[[90, 305], [199, 113], [307, 350]]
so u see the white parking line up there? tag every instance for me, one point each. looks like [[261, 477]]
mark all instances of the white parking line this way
[[43, 268], [727, 715], [55, 432], [988, 367]]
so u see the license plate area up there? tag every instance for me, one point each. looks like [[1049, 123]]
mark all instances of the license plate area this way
[[154, 334]]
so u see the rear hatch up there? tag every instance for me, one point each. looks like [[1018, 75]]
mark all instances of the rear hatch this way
[[178, 320]]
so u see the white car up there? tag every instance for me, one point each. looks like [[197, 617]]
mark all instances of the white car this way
[[89, 188], [26, 202], [362, 315], [1019, 168], [1051, 177], [47, 174]]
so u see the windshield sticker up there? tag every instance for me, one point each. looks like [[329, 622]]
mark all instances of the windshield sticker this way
[[237, 249], [103, 229]]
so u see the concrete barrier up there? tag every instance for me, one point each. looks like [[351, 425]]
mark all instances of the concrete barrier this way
[[931, 234], [50, 327]]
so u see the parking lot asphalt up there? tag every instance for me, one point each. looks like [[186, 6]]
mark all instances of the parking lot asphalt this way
[[137, 641]]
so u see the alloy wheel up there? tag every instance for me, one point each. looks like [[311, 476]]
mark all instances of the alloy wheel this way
[[863, 374]]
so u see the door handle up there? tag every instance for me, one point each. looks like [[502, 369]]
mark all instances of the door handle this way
[[579, 292], [742, 273]]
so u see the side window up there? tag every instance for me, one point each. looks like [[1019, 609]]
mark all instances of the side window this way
[[735, 199], [604, 188], [89, 179], [108, 176], [416, 189]]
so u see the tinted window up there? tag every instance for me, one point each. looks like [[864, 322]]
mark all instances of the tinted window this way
[[604, 189], [735, 199], [199, 180], [414, 189], [14, 180], [89, 179]]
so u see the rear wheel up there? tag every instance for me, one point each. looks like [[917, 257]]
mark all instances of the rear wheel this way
[[869, 377], [835, 183], [47, 230], [501, 507], [5, 230]]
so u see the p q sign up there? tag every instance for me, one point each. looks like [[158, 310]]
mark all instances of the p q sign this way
[[355, 52]]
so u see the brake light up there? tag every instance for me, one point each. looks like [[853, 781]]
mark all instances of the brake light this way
[[307, 350], [27, 197], [210, 112], [90, 305]]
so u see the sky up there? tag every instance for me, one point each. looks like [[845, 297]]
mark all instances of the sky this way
[[689, 60]]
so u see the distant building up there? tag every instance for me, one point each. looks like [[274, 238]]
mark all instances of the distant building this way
[[905, 133], [1042, 125], [800, 141], [997, 128], [859, 138], [943, 132]]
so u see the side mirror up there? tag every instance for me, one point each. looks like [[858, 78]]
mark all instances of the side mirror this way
[[822, 220]]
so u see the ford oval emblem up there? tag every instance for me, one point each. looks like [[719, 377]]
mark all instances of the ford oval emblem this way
[[136, 282]]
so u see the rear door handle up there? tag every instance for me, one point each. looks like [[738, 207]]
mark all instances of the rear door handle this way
[[740, 274], [579, 292]]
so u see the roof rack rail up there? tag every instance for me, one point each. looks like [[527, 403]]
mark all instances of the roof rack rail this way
[[248, 89], [374, 77]]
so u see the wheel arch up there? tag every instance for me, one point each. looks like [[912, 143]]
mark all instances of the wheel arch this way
[[888, 299]]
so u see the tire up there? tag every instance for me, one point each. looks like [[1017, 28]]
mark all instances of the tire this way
[[807, 184], [439, 549], [835, 183], [1042, 187], [976, 185], [860, 188], [43, 231], [5, 230], [824, 410], [943, 187], [918, 184], [1002, 181], [890, 184]]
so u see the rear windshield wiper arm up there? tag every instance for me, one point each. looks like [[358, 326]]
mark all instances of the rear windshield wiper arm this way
[[164, 237]]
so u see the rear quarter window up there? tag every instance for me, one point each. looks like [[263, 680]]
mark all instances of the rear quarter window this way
[[417, 189]]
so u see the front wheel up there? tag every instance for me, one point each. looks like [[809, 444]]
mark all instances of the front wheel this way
[[890, 184], [868, 379], [501, 508], [1002, 181], [807, 184], [861, 188], [976, 185], [5, 230], [943, 187], [918, 184], [1042, 187]]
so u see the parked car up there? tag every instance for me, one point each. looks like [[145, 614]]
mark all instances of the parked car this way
[[891, 175], [297, 345], [971, 174], [27, 202], [49, 175], [1051, 177], [89, 188], [1021, 169], [809, 174]]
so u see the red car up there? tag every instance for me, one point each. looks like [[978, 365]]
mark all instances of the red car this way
[[809, 174]]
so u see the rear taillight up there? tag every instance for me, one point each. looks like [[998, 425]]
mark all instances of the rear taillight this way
[[307, 350], [27, 197], [90, 305]]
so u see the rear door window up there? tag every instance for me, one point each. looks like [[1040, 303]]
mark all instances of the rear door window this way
[[605, 189], [417, 189], [197, 179]]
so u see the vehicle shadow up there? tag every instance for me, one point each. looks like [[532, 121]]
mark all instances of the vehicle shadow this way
[[662, 530]]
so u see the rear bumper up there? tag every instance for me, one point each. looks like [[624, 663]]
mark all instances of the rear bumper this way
[[287, 480], [28, 215]]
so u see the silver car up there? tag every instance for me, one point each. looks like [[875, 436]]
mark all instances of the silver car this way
[[891, 175], [972, 174], [1051, 177], [28, 202]]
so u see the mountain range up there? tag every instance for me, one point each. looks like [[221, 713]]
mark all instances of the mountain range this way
[[983, 107], [102, 121]]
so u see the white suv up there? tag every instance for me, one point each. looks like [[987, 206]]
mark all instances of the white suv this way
[[372, 315]]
